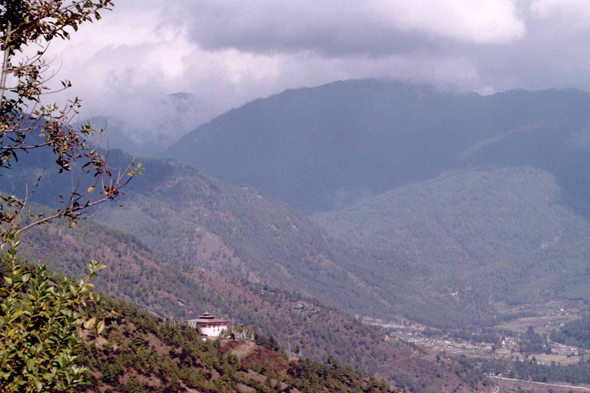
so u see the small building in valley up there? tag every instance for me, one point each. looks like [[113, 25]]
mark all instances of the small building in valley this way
[[209, 326]]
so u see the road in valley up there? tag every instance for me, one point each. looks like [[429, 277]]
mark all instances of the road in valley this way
[[579, 388]]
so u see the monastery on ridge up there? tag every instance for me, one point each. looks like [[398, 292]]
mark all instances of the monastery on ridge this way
[[209, 326]]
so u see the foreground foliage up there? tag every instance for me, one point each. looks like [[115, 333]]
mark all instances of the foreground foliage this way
[[39, 316], [28, 123], [39, 322]]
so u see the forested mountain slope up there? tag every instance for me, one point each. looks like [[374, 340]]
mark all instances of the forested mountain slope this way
[[319, 149], [139, 353], [504, 233], [239, 233], [176, 290]]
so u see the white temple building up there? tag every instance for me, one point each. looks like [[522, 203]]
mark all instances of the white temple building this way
[[209, 326]]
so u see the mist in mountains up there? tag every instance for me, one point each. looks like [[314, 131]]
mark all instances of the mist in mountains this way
[[176, 115]]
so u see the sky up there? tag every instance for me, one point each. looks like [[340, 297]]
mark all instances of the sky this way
[[225, 53]]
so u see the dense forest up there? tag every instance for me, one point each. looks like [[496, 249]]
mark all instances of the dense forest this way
[[501, 233], [530, 370], [576, 333]]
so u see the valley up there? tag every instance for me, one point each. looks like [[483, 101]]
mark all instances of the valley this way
[[440, 247], [500, 341]]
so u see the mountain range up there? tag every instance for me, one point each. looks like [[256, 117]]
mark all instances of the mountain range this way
[[320, 149], [484, 197]]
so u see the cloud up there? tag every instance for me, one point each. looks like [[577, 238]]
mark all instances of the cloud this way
[[485, 21], [225, 53], [571, 10], [344, 27]]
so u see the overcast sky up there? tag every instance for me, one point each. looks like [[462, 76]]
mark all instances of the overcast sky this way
[[228, 52]]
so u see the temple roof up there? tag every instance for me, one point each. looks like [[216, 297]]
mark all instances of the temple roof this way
[[207, 318]]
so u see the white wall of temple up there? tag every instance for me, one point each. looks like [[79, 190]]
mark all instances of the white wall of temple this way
[[213, 331]]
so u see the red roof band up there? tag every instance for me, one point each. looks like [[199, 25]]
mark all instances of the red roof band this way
[[208, 319]]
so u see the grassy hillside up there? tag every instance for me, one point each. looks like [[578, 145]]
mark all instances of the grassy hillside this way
[[503, 233]]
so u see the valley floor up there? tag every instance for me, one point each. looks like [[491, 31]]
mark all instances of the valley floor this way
[[548, 317]]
